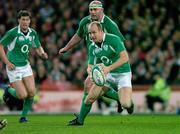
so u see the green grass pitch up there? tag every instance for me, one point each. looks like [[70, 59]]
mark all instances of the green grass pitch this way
[[94, 124]]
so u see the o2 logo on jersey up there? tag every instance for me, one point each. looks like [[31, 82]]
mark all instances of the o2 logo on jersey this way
[[25, 49], [106, 60]]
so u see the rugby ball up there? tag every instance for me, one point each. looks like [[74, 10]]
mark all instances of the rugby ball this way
[[98, 75]]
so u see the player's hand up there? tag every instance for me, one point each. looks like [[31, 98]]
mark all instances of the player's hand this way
[[89, 69], [90, 79], [105, 69], [62, 51], [44, 56], [10, 66]]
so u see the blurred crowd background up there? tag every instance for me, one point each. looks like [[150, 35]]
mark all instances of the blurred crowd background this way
[[151, 29]]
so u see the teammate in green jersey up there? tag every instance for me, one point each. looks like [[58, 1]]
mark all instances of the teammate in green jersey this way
[[18, 41], [110, 51], [96, 14]]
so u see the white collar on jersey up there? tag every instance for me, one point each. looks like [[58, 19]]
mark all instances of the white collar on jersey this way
[[104, 37], [102, 20], [19, 30]]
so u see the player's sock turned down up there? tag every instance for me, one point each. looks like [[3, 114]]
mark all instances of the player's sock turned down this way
[[112, 94], [12, 91], [26, 106], [85, 109]]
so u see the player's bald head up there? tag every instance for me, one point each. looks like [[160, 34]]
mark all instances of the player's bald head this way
[[96, 24]]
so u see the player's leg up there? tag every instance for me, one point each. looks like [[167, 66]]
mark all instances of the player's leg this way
[[125, 91], [109, 92], [3, 123], [28, 81], [87, 86], [18, 90], [94, 93], [11, 91], [112, 94], [30, 88], [125, 94]]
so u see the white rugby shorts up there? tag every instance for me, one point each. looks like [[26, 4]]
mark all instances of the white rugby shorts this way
[[19, 73], [119, 79]]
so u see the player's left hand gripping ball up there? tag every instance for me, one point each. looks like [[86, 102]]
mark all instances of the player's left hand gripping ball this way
[[98, 76]]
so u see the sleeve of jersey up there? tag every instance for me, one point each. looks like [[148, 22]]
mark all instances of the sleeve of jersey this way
[[7, 39], [37, 43], [118, 45], [80, 31]]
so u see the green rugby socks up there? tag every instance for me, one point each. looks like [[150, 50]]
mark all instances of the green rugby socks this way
[[26, 106], [112, 94]]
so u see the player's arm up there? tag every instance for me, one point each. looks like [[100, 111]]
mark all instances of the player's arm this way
[[74, 40], [37, 45], [124, 58], [41, 53], [78, 36], [4, 58], [119, 48]]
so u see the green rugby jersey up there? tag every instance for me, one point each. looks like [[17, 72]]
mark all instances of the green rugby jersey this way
[[109, 26], [108, 53], [18, 45]]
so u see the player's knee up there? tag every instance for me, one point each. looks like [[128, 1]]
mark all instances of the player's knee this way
[[105, 89], [22, 95], [31, 93], [90, 100]]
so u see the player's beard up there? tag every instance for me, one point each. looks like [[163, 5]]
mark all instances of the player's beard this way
[[94, 18]]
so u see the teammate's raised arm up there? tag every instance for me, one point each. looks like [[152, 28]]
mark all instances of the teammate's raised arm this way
[[74, 40]]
